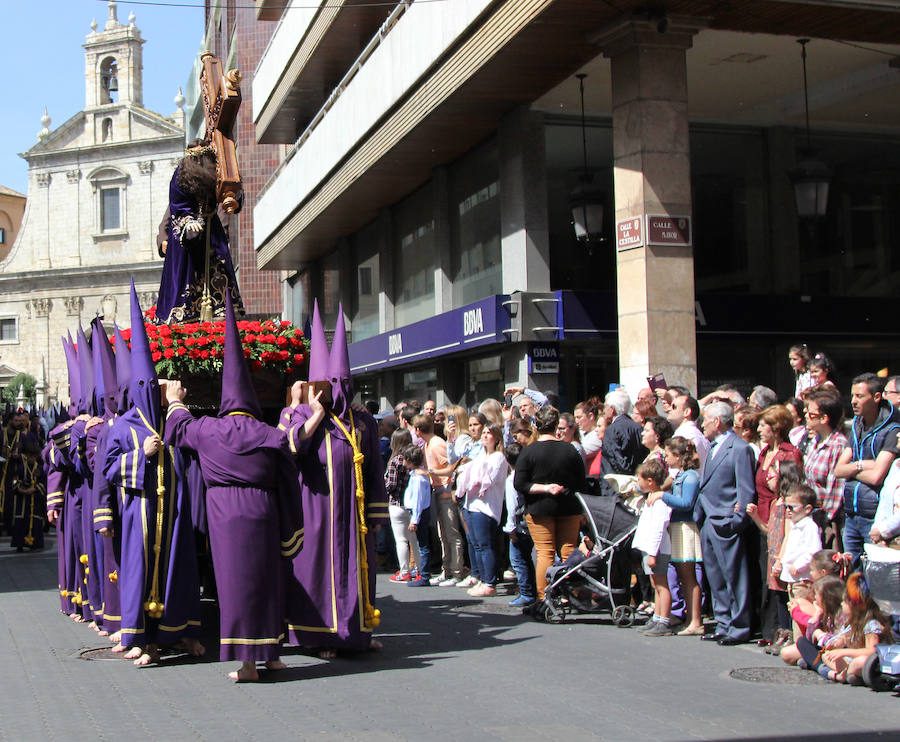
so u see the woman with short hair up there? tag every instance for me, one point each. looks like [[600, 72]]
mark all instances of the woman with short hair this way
[[548, 474]]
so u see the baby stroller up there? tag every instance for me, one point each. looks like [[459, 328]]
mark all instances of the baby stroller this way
[[600, 583], [882, 669]]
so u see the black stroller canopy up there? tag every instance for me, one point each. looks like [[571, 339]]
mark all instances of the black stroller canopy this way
[[609, 518]]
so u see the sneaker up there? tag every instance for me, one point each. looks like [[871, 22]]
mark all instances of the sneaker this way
[[649, 625], [482, 591], [468, 581], [437, 579], [419, 582], [509, 576], [449, 582], [400, 577], [658, 629], [522, 601]]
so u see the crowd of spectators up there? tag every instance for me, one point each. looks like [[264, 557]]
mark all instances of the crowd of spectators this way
[[753, 513]]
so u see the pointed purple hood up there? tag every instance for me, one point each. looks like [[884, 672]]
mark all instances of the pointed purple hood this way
[[104, 369], [237, 388], [143, 388], [86, 404], [339, 368], [74, 376], [318, 348], [123, 372]]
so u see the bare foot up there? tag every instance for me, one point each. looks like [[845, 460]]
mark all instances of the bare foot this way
[[193, 647], [77, 618], [375, 645], [275, 665], [149, 656], [116, 637], [92, 625], [102, 632], [133, 653], [118, 648], [246, 674], [326, 653]]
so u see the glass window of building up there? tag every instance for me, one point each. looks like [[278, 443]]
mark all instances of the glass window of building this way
[[485, 379], [729, 192], [364, 320], [9, 331], [331, 288], [420, 384], [476, 269], [109, 209], [572, 265], [415, 256]]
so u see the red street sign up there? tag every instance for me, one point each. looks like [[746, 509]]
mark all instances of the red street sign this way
[[669, 230], [629, 233]]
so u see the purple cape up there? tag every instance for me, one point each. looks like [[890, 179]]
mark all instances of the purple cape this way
[[253, 503], [174, 580], [324, 606]]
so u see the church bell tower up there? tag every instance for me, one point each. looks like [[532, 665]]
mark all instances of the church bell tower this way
[[113, 66]]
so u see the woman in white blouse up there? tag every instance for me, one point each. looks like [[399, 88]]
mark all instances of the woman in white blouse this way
[[482, 483]]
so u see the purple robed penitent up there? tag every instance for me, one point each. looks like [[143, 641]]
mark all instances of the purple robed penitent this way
[[325, 606], [253, 506], [183, 273], [155, 510]]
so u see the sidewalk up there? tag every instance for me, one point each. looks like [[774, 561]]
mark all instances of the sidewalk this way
[[453, 668]]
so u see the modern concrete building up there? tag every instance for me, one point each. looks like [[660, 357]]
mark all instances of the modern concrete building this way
[[436, 153], [98, 186]]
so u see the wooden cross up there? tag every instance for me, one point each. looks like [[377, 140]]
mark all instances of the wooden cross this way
[[221, 97]]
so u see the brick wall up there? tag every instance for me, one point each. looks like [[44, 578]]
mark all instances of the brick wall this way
[[261, 290]]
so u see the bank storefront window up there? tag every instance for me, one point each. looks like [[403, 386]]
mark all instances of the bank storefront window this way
[[420, 384], [414, 258], [475, 226], [485, 379]]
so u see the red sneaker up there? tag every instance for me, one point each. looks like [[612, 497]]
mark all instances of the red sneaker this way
[[400, 577]]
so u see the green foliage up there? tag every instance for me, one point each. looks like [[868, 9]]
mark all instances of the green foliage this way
[[10, 393]]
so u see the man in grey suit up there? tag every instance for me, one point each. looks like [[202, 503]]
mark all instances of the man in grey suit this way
[[726, 488]]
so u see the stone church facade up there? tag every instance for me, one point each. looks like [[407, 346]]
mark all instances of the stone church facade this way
[[97, 190]]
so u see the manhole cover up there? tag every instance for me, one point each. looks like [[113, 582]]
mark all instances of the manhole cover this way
[[101, 653], [781, 675], [106, 654], [486, 607]]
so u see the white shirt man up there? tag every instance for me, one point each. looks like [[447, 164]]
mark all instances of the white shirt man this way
[[683, 420]]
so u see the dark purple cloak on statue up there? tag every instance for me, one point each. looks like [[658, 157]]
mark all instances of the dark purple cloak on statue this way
[[183, 273]]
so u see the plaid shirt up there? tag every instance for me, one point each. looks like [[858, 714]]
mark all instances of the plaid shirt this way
[[821, 459], [395, 478]]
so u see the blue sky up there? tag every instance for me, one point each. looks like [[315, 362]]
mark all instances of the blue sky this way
[[44, 65]]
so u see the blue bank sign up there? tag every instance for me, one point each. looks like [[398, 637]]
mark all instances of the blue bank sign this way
[[473, 325]]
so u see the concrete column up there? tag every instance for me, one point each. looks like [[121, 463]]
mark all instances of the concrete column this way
[[655, 285], [524, 238]]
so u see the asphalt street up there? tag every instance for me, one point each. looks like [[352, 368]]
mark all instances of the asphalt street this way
[[452, 668]]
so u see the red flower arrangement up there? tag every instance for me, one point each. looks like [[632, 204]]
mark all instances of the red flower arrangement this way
[[197, 348]]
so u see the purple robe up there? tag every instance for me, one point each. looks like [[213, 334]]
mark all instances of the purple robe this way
[[75, 582], [57, 483], [255, 524], [183, 273], [105, 508], [83, 453], [150, 518], [324, 605]]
